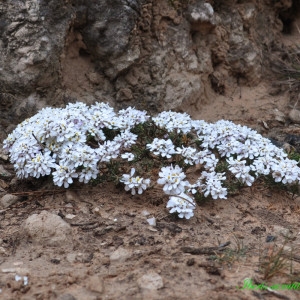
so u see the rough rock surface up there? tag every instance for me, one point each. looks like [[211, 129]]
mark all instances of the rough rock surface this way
[[8, 200], [154, 54], [47, 229], [150, 281]]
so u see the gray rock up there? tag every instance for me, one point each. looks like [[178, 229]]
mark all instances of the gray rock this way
[[4, 173], [201, 12], [71, 257], [8, 200], [47, 229], [66, 297], [120, 255], [2, 191], [95, 284], [281, 231], [151, 281], [57, 51], [294, 115]]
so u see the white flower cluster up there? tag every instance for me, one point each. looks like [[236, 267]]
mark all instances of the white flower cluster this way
[[249, 155], [174, 184], [164, 148], [73, 142], [56, 141], [181, 122]]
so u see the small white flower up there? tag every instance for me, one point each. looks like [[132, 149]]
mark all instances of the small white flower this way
[[182, 204], [64, 176], [164, 148], [172, 179], [127, 155], [133, 183]]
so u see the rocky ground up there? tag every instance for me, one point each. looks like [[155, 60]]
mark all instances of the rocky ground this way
[[99, 242]]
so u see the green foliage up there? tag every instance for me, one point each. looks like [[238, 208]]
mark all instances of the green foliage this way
[[294, 155]]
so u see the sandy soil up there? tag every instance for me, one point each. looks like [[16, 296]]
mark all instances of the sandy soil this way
[[113, 253]]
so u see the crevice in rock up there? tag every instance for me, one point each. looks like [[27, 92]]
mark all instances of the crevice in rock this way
[[289, 18]]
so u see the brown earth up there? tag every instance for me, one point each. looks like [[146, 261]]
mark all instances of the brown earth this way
[[113, 253]]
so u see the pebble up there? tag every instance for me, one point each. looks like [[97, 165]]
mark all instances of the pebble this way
[[120, 255], [3, 251], [152, 221], [150, 228], [70, 216], [145, 213], [4, 156], [8, 200], [150, 281], [79, 257], [71, 257], [47, 229], [95, 284], [66, 297], [280, 230], [279, 116], [3, 186], [4, 173], [294, 115], [97, 211]]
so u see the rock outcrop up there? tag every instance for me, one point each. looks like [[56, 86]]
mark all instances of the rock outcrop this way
[[153, 54]]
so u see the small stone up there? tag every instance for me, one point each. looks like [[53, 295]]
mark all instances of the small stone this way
[[47, 229], [150, 228], [66, 297], [145, 213], [152, 221], [71, 196], [150, 281], [97, 210], [3, 185], [4, 156], [84, 257], [280, 230], [70, 216], [95, 284], [55, 261], [4, 173], [8, 200], [71, 257], [294, 115], [279, 116], [3, 251], [120, 255], [270, 238]]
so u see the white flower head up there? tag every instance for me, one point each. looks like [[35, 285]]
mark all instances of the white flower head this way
[[128, 155], [164, 148], [134, 183], [173, 180], [182, 204]]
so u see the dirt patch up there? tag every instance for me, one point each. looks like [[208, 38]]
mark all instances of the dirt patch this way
[[113, 253]]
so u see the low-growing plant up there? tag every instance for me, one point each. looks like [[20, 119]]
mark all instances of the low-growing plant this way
[[231, 254], [94, 143], [274, 262]]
